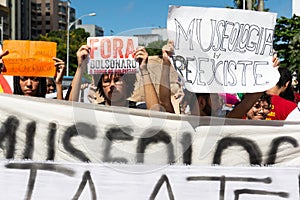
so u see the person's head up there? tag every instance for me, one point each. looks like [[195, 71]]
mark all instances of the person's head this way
[[205, 104], [51, 87], [116, 88], [285, 84], [260, 109], [285, 78], [30, 86]]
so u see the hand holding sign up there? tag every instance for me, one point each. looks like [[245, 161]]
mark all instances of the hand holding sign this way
[[60, 70], [275, 60], [82, 55], [2, 54], [169, 48], [141, 56]]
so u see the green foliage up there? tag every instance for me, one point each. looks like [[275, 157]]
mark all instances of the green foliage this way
[[287, 42], [60, 38], [78, 37], [154, 48]]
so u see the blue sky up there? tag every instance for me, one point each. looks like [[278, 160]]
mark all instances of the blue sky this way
[[123, 15]]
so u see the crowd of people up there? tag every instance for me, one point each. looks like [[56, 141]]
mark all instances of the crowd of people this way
[[115, 89]]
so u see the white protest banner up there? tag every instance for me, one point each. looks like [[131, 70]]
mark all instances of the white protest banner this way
[[223, 50], [60, 181], [46, 129], [112, 54]]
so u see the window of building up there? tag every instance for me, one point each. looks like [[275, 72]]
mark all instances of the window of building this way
[[48, 6], [62, 27], [38, 6], [33, 6], [47, 22], [62, 9], [47, 13]]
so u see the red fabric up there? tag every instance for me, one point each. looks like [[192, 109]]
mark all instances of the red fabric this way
[[281, 108], [297, 97], [4, 85]]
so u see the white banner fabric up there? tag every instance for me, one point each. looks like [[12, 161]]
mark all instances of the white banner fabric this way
[[60, 181], [46, 129]]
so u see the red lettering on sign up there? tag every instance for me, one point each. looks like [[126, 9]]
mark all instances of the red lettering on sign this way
[[93, 47], [105, 43], [129, 48], [118, 46]]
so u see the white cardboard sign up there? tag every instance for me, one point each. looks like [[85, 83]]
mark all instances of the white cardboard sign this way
[[112, 54], [223, 50]]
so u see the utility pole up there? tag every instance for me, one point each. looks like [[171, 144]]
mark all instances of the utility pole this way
[[68, 36], [2, 29]]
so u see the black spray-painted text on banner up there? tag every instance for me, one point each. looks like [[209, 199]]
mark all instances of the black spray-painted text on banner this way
[[173, 182], [179, 148]]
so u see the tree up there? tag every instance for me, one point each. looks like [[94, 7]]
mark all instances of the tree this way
[[154, 48], [78, 37], [287, 42]]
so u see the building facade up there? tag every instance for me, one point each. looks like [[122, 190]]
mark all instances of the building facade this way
[[155, 34], [94, 30], [49, 15], [4, 22], [27, 19], [296, 7]]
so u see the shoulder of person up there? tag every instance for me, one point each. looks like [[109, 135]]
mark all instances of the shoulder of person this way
[[294, 115]]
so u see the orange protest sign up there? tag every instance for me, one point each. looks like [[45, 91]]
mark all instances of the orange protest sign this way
[[29, 58]]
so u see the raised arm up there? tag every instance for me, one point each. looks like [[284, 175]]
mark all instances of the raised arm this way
[[82, 55], [151, 97], [2, 54], [244, 106], [165, 87], [59, 74]]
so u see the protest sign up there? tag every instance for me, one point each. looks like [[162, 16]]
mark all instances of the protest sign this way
[[112, 54], [29, 58], [46, 129], [223, 50], [60, 181]]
